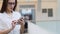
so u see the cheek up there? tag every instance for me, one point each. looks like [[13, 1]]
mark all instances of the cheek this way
[[12, 6], [7, 7]]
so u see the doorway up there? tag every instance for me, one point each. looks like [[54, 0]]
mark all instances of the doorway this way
[[28, 10]]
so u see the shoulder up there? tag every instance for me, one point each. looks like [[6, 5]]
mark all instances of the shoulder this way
[[1, 15], [16, 12]]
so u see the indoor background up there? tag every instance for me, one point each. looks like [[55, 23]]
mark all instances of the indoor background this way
[[44, 13]]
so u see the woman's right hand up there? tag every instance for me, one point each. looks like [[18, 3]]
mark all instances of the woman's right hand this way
[[13, 24], [8, 30]]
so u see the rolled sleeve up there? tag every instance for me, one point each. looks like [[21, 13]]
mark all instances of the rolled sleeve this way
[[2, 25]]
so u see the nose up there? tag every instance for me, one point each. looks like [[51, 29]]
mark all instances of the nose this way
[[12, 5]]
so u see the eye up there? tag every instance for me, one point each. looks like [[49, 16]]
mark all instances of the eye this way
[[11, 3]]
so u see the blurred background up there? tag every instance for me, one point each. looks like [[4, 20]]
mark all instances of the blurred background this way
[[44, 13]]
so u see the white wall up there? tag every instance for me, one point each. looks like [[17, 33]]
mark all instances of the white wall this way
[[58, 9], [48, 5], [58, 17]]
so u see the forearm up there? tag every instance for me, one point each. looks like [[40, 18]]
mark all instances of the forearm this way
[[22, 29], [6, 31]]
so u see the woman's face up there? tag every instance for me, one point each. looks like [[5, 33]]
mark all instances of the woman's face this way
[[11, 4]]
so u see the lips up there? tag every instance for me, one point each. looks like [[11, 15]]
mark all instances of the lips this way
[[11, 8]]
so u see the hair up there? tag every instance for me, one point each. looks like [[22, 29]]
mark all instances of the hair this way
[[4, 5]]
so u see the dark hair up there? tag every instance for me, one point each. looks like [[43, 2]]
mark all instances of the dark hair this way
[[4, 5]]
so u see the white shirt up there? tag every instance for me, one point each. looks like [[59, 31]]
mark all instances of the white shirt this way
[[6, 20]]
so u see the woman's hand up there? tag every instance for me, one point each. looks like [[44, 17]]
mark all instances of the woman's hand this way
[[13, 24], [21, 21], [8, 30]]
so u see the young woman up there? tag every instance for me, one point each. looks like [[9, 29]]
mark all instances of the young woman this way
[[10, 22]]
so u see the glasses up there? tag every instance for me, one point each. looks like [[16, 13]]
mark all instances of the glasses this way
[[11, 3]]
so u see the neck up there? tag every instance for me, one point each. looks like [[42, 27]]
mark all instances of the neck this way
[[8, 12]]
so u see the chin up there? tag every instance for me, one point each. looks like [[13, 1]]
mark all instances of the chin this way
[[11, 10]]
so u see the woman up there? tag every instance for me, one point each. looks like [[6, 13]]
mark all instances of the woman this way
[[10, 22]]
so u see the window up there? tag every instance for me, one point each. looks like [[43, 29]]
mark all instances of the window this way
[[44, 10], [50, 12]]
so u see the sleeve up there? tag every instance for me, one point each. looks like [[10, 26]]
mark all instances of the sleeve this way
[[1, 25]]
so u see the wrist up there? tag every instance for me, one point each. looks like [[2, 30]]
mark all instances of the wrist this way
[[11, 28], [22, 23]]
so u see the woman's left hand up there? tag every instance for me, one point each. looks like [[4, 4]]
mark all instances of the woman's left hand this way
[[21, 21]]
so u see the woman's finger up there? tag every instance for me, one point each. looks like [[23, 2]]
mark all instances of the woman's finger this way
[[21, 21]]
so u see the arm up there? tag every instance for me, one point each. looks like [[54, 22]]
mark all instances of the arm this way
[[6, 31], [22, 29], [21, 22]]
